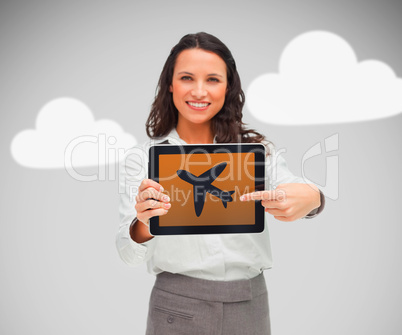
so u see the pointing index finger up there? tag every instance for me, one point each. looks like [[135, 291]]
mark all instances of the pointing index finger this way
[[260, 195]]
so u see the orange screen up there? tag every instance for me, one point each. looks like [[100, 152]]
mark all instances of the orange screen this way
[[238, 176]]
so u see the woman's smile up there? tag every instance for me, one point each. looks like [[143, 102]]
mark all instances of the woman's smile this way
[[200, 106]]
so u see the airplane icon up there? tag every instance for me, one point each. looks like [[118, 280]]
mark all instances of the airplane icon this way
[[203, 185]]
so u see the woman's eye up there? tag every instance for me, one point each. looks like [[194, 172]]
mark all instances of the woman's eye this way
[[185, 78], [214, 79]]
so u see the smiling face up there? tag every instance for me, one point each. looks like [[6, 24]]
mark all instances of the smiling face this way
[[198, 87]]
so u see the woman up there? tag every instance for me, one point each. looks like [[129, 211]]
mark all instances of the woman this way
[[206, 284]]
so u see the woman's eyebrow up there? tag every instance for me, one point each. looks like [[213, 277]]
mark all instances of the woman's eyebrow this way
[[215, 74], [209, 75]]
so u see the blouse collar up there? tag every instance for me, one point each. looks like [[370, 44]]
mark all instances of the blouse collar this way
[[174, 138]]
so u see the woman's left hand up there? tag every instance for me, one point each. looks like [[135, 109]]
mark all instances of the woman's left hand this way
[[288, 202]]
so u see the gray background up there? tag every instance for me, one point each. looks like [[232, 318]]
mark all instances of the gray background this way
[[60, 272]]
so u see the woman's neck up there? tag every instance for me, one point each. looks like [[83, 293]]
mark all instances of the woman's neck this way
[[195, 133]]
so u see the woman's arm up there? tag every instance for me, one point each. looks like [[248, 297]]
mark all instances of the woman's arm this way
[[288, 202], [287, 197], [133, 242]]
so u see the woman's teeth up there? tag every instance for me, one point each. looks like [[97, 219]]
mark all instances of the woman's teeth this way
[[198, 105]]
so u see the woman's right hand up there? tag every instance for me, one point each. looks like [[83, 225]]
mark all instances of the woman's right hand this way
[[150, 202]]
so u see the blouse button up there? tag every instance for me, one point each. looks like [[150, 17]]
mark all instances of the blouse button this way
[[170, 319]]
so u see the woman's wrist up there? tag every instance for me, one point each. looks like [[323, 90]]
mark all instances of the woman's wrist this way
[[139, 231], [319, 209]]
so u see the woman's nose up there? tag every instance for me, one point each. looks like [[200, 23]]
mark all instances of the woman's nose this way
[[199, 91]]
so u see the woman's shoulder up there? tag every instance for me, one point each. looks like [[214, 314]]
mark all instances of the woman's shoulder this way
[[269, 147]]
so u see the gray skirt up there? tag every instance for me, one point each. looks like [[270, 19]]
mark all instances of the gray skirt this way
[[190, 306]]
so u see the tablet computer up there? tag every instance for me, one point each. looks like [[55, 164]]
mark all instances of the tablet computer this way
[[204, 183]]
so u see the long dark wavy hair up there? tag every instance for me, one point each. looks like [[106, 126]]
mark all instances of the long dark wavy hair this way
[[227, 124]]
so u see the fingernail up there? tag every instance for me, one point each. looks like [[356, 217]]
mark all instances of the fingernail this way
[[162, 189], [166, 211], [165, 198], [167, 206], [242, 198]]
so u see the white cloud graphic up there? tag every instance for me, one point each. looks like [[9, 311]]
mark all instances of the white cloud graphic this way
[[320, 81], [67, 136]]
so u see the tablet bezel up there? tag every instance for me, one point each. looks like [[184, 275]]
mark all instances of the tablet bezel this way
[[259, 173]]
